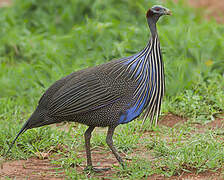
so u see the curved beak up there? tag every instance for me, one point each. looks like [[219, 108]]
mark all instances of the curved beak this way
[[168, 12]]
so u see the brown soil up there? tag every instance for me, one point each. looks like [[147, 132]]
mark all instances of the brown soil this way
[[217, 123], [32, 168], [171, 120], [37, 169], [191, 176]]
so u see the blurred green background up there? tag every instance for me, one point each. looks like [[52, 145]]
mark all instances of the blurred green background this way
[[42, 41]]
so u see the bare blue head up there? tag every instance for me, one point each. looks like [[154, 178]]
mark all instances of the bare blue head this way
[[153, 15]]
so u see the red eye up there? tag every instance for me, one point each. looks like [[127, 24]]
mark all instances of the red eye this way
[[157, 9]]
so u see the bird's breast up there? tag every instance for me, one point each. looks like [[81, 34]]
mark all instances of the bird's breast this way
[[146, 70]]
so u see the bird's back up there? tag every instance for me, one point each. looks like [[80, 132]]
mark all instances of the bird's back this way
[[94, 96]]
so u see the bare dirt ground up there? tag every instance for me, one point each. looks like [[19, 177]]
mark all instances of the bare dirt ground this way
[[32, 168], [170, 120], [35, 168]]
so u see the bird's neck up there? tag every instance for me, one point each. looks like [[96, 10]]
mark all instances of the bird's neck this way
[[152, 27]]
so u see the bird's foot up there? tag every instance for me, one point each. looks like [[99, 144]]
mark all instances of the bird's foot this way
[[93, 169]]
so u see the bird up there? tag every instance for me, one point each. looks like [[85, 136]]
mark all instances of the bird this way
[[109, 94]]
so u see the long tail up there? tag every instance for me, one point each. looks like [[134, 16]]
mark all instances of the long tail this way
[[24, 128]]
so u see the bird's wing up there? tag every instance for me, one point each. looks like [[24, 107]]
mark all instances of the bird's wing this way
[[82, 95]]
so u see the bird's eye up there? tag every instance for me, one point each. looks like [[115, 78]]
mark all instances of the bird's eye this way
[[157, 9]]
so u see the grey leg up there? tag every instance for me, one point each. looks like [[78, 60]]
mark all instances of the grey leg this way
[[87, 144], [88, 152], [109, 141]]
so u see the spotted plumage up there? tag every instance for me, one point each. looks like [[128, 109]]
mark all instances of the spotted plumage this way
[[109, 94]]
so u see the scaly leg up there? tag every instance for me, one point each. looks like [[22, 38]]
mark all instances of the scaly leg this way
[[88, 151], [109, 141]]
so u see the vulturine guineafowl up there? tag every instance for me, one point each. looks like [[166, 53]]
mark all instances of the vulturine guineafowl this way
[[109, 94]]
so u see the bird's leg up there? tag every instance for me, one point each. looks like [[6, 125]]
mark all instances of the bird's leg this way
[[87, 144], [88, 152], [109, 141]]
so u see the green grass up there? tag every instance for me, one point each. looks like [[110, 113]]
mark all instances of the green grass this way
[[42, 41]]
